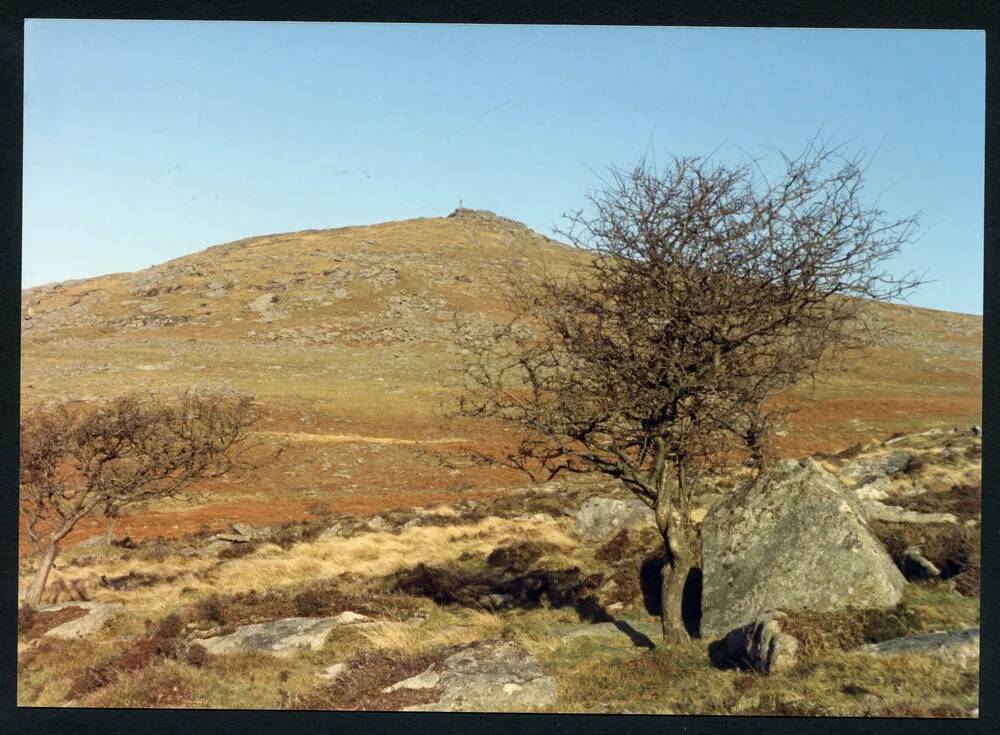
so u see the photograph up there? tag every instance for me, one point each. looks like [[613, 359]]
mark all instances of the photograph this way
[[498, 368]]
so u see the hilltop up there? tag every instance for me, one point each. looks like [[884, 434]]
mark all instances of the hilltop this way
[[343, 336]]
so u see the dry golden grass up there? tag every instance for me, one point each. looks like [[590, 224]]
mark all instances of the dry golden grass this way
[[367, 555]]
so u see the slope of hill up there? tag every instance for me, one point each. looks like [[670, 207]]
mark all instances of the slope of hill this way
[[343, 337]]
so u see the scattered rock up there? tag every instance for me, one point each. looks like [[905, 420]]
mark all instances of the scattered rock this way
[[635, 631], [281, 637], [334, 671], [887, 464], [877, 489], [234, 538], [878, 511], [211, 548], [918, 566], [793, 538], [425, 680], [333, 531], [760, 646], [248, 532], [264, 305], [959, 647], [98, 613], [490, 676], [601, 516], [349, 617]]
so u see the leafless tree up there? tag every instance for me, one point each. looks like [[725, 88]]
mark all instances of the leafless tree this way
[[706, 290], [104, 460]]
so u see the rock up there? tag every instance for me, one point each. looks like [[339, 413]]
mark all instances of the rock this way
[[332, 532], [624, 630], [212, 547], [976, 430], [234, 538], [490, 676], [887, 464], [98, 613], [877, 489], [281, 637], [600, 517], [793, 538], [959, 647], [918, 566], [495, 601], [878, 511], [265, 306], [349, 617], [339, 293], [425, 680], [248, 532], [377, 524], [759, 645], [333, 672]]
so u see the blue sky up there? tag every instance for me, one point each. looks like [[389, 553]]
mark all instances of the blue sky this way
[[144, 141]]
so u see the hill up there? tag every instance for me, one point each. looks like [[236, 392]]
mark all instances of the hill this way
[[343, 337]]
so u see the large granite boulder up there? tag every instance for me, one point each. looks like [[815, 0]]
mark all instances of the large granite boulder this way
[[487, 676], [959, 647], [601, 517], [795, 538]]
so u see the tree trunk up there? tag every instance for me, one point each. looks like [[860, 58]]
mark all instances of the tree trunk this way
[[674, 576], [680, 543], [34, 595]]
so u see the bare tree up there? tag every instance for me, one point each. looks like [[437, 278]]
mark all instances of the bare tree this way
[[105, 460], [707, 289]]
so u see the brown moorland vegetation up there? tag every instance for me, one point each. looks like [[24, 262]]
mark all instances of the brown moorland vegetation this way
[[350, 356]]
